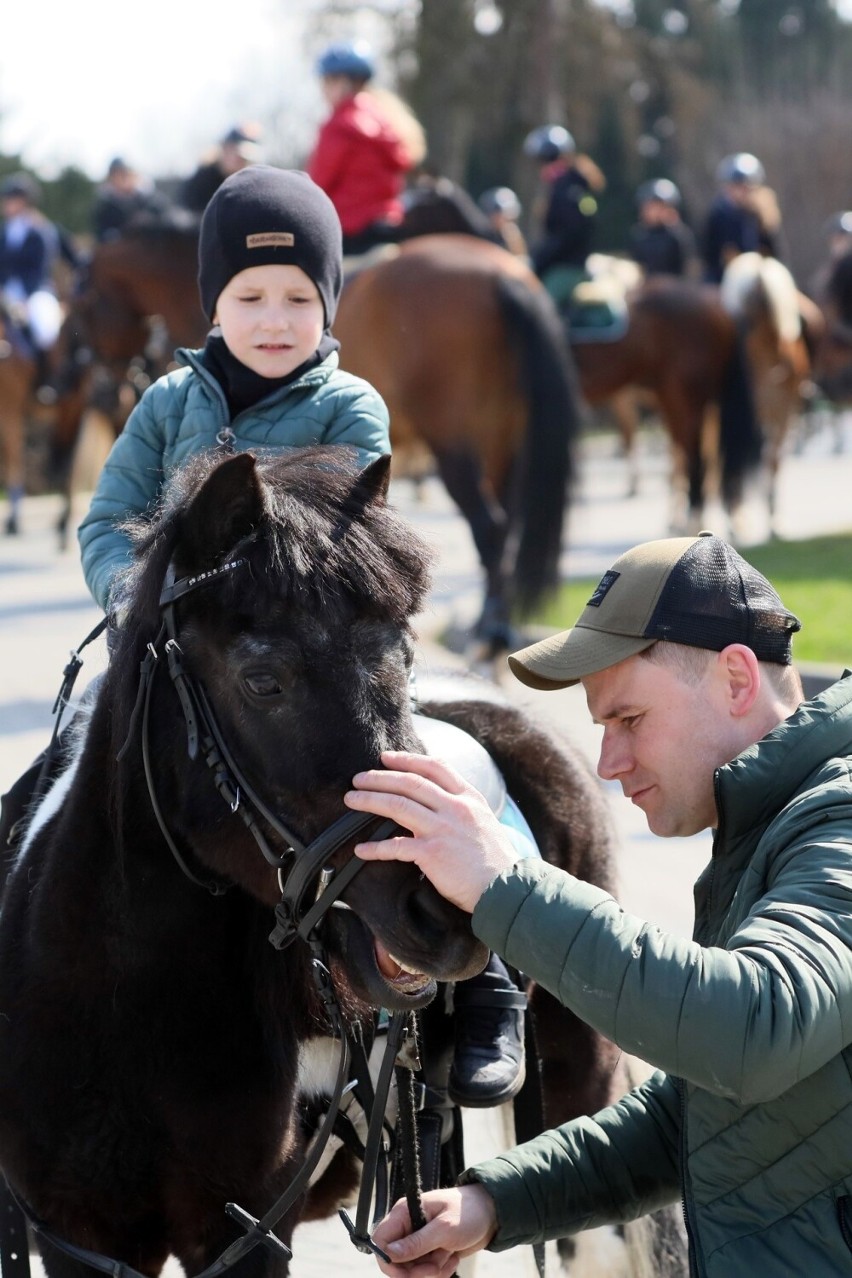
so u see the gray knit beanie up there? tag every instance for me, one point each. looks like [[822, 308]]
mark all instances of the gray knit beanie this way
[[265, 216]]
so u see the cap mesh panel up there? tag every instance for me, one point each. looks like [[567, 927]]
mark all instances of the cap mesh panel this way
[[713, 597]]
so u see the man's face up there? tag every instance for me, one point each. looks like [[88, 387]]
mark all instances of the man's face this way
[[663, 740]]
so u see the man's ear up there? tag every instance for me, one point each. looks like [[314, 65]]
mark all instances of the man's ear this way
[[740, 669]]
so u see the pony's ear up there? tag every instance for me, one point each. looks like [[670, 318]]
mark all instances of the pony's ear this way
[[372, 484], [227, 507]]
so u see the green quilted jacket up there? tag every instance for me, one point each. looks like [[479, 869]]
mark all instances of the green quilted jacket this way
[[749, 1117], [183, 412]]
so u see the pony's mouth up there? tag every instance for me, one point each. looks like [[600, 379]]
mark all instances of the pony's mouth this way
[[400, 977]]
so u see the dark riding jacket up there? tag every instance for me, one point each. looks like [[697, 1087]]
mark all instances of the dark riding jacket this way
[[749, 1024], [182, 414]]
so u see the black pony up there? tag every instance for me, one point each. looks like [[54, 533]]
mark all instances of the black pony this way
[[157, 1054]]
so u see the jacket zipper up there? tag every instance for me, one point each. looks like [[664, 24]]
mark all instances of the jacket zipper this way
[[685, 1196], [844, 1216]]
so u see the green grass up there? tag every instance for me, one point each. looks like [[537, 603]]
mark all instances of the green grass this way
[[813, 577]]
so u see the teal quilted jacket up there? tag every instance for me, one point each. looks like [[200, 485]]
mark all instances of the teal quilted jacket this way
[[182, 414], [749, 1117]]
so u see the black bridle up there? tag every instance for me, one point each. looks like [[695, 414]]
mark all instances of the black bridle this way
[[303, 871]]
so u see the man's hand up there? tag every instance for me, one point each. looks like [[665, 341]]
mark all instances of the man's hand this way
[[457, 841], [459, 1222]]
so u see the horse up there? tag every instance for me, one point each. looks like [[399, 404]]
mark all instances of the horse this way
[[463, 343], [17, 371], [465, 346], [681, 346], [137, 301], [832, 354], [762, 297], [160, 1059]]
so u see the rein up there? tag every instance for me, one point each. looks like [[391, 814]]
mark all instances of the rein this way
[[302, 869]]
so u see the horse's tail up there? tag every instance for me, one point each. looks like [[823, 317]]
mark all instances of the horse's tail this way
[[547, 467], [740, 435]]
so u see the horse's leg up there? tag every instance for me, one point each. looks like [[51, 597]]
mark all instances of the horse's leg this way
[[462, 476], [626, 413], [684, 417], [12, 435]]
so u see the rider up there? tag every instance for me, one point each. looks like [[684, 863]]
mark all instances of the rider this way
[[502, 207], [29, 251], [573, 183], [661, 242], [369, 142], [733, 223], [121, 197], [238, 148], [270, 275]]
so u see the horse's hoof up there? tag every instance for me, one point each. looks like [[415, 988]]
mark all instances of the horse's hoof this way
[[12, 528]]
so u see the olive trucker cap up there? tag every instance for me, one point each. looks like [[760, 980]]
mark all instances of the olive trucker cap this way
[[691, 590]]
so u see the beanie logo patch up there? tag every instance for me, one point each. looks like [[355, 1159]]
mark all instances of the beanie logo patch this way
[[271, 239]]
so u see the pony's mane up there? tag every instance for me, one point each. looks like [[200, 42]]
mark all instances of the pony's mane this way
[[323, 539]]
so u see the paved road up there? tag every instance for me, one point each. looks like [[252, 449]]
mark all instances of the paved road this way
[[45, 611]]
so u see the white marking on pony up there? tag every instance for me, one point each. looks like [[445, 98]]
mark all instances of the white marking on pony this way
[[318, 1062], [750, 270], [318, 1058], [50, 804]]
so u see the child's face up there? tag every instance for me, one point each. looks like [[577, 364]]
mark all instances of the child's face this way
[[271, 318]]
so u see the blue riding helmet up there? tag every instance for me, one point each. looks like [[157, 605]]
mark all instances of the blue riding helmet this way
[[352, 59], [660, 189], [548, 143], [743, 168], [500, 199]]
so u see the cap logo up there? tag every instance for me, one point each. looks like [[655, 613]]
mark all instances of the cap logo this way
[[605, 584], [271, 239]]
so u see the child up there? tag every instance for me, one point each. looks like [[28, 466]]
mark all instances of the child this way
[[270, 275], [269, 278], [661, 242]]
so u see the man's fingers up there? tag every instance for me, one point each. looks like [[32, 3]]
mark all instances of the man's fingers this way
[[427, 766]]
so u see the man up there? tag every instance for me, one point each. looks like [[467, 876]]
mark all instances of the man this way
[[684, 653], [235, 151], [122, 197]]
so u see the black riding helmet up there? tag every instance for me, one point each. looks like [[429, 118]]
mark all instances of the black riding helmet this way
[[548, 143], [743, 169], [660, 189], [500, 199]]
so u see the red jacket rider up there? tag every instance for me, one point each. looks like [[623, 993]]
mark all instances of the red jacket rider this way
[[360, 159]]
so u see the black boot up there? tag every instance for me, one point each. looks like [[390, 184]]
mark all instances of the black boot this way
[[45, 386], [488, 1063]]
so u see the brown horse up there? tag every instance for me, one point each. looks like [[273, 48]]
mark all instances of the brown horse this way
[[17, 369], [139, 300], [465, 346], [682, 347]]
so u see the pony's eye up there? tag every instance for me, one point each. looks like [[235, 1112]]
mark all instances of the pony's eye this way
[[263, 685]]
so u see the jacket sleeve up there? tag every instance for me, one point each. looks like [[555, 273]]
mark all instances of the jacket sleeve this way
[[612, 1167], [746, 1021], [329, 157], [128, 485]]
